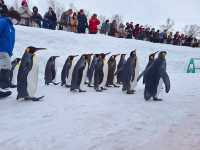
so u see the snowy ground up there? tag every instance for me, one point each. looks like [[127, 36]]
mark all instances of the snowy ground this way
[[102, 121]]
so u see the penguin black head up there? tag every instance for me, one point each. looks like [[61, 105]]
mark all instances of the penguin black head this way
[[17, 60], [152, 56], [103, 55], [72, 57], [123, 55], [116, 55], [133, 53], [54, 57], [162, 54], [32, 49]]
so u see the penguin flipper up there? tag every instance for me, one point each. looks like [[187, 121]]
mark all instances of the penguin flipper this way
[[34, 98], [166, 81], [140, 76]]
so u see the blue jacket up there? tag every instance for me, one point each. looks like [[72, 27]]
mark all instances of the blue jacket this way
[[7, 36]]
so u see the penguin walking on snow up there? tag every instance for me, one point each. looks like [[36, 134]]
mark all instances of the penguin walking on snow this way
[[51, 71], [154, 76], [101, 73], [112, 65], [27, 78], [150, 62], [14, 71], [85, 71], [130, 73], [91, 70], [77, 75], [66, 73], [120, 67]]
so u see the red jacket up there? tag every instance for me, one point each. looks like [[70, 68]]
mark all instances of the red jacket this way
[[93, 23]]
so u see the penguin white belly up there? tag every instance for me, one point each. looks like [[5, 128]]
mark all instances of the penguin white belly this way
[[15, 72], [160, 87], [84, 77], [69, 79], [115, 77], [32, 78], [134, 82], [105, 72], [56, 69]]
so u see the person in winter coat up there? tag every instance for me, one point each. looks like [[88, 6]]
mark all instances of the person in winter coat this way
[[93, 24], [136, 31], [50, 19], [7, 41], [25, 14], [113, 29], [36, 18], [129, 31], [74, 23], [66, 20], [1, 6], [82, 22], [105, 27], [121, 31]]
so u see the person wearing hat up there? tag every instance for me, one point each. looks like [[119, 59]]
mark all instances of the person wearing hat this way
[[25, 14], [7, 41], [82, 22]]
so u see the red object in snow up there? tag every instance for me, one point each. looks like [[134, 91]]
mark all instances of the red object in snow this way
[[93, 23]]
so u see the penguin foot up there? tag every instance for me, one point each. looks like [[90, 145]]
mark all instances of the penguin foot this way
[[12, 86], [67, 86], [103, 89], [98, 90], [108, 86], [116, 86], [130, 92], [56, 83], [90, 85], [5, 94], [157, 99], [81, 91], [73, 90], [123, 89]]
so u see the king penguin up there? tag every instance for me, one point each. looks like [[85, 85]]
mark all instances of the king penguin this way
[[77, 74], [51, 71], [154, 76], [14, 71], [120, 66], [150, 62], [91, 70], [101, 72], [27, 78], [112, 65], [67, 71], [130, 73]]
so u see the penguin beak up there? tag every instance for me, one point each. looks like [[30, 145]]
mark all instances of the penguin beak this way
[[38, 49], [75, 56], [107, 53], [116, 55]]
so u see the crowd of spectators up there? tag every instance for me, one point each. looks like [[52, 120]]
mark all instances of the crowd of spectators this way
[[78, 22]]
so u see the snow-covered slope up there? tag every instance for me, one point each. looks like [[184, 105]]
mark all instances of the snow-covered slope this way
[[101, 121]]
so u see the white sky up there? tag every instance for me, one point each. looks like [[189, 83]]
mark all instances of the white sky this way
[[153, 12]]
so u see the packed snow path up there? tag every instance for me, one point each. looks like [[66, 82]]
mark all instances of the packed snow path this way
[[102, 121]]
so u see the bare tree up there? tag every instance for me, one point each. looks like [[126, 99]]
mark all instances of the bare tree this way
[[52, 4], [72, 6], [168, 26], [16, 4], [57, 7], [192, 30], [102, 18], [118, 18]]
